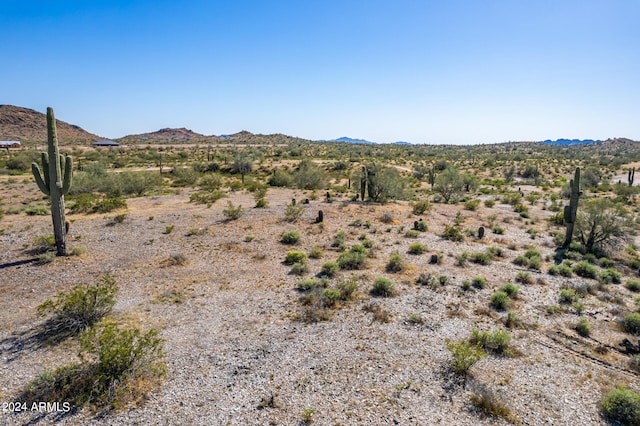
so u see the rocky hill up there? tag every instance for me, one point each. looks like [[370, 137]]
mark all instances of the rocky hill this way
[[30, 126], [165, 135]]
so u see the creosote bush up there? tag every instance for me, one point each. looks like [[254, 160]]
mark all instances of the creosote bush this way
[[383, 287], [232, 212], [395, 264], [497, 341], [464, 354], [290, 237], [623, 405], [631, 323], [295, 256], [80, 308]]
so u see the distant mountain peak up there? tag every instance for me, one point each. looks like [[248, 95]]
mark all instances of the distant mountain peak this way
[[569, 141], [351, 140]]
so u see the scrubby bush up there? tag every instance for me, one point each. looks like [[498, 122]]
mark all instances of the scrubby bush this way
[[511, 289], [583, 327], [524, 277], [383, 287], [290, 237], [585, 269], [481, 258], [352, 260], [631, 323], [567, 296], [464, 355], [500, 300], [622, 405], [77, 310], [562, 270], [633, 285], [395, 264], [316, 252], [610, 275], [421, 207], [497, 341], [452, 233], [293, 212], [479, 282], [417, 248], [299, 268], [232, 212], [330, 269], [295, 256]]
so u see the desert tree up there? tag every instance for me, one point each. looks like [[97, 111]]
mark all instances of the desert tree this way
[[448, 184], [602, 224]]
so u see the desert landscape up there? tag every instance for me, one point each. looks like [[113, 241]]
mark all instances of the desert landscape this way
[[270, 280]]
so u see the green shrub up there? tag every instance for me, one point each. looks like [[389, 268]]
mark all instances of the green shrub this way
[[412, 233], [293, 212], [524, 277], [290, 237], [299, 268], [427, 279], [420, 225], [37, 211], [585, 269], [500, 300], [330, 269], [73, 312], [631, 323], [383, 287], [521, 260], [352, 260], [472, 205], [562, 270], [452, 233], [310, 284], [78, 251], [347, 289], [169, 229], [512, 320], [498, 230], [295, 256], [119, 218], [46, 257], [605, 262], [583, 327], [633, 285], [479, 282], [464, 355], [417, 248], [316, 252], [497, 341], [421, 207], [395, 264], [262, 203], [481, 258], [208, 197], [232, 212], [280, 178], [622, 405], [610, 275], [339, 240], [568, 295], [489, 203], [511, 289], [462, 258], [106, 205]]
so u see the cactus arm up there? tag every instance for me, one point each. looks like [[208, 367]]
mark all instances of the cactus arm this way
[[68, 169], [44, 160], [38, 176]]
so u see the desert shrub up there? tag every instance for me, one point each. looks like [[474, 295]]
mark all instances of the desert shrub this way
[[78, 251], [169, 229], [330, 269], [585, 269], [412, 233], [521, 260], [119, 218], [497, 341], [462, 258], [420, 207], [383, 287], [489, 203], [347, 289], [464, 355], [299, 268], [610, 275], [633, 285], [452, 233], [316, 252], [367, 243], [207, 198], [309, 175], [622, 405], [280, 178], [290, 237], [184, 176], [77, 310], [500, 300], [121, 355], [295, 256], [37, 211], [472, 205], [512, 320], [427, 279], [481, 258], [479, 282], [339, 240], [352, 260], [605, 262], [511, 290], [583, 327], [524, 277], [46, 257], [232, 212], [395, 264], [262, 203], [483, 398], [310, 284], [631, 323], [567, 296], [106, 205], [293, 212], [44, 243], [562, 270], [379, 313], [443, 279], [417, 248], [495, 251], [498, 230]]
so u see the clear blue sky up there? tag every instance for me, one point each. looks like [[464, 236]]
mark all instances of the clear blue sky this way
[[465, 71]]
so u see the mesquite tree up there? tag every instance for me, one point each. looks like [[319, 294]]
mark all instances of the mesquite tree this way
[[51, 181]]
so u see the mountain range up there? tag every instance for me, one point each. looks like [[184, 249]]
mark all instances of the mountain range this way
[[30, 126]]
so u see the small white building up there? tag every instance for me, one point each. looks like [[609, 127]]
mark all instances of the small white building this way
[[10, 144]]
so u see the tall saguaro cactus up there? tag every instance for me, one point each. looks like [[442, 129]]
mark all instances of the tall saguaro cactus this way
[[571, 210], [631, 176], [51, 181]]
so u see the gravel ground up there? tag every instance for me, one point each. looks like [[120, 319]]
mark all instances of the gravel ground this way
[[237, 353]]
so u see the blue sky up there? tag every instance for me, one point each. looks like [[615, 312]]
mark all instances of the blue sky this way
[[457, 71]]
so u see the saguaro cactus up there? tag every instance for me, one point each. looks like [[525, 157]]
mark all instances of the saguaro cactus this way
[[571, 210], [363, 183], [51, 181], [631, 176]]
